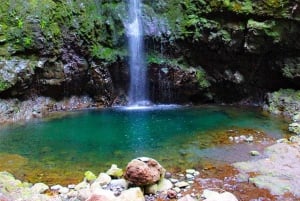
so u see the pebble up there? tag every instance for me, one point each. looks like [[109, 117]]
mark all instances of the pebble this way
[[63, 190], [71, 186], [190, 171], [249, 139], [196, 173], [177, 189], [283, 140], [172, 194], [182, 184], [254, 153], [168, 175], [189, 176], [56, 187], [174, 180]]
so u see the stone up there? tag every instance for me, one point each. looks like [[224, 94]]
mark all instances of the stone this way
[[208, 194], [63, 190], [132, 194], [295, 128], [95, 186], [226, 196], [84, 194], [102, 194], [177, 189], [56, 187], [172, 194], [39, 188], [187, 198], [82, 185], [144, 171], [215, 196], [103, 179], [190, 171], [89, 176], [164, 184], [95, 197], [189, 176], [254, 153], [294, 139], [174, 180], [119, 182], [151, 189], [114, 171], [182, 184], [282, 140], [249, 139]]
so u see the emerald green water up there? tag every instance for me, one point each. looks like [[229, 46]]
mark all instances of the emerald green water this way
[[95, 139]]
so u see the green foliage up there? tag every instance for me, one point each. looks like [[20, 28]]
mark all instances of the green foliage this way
[[107, 54], [3, 85], [268, 27], [276, 3], [202, 78], [156, 58], [27, 41]]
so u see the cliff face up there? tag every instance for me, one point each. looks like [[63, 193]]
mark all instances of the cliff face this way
[[197, 50]]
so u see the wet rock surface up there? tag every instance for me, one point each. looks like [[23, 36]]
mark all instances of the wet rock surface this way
[[14, 110], [278, 171]]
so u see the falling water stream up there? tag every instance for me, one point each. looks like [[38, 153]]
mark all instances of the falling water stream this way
[[138, 85]]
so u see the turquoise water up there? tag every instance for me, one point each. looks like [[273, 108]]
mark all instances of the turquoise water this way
[[95, 139]]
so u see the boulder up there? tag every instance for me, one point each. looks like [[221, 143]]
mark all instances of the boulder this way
[[132, 194], [295, 128], [144, 171], [103, 179], [39, 187]]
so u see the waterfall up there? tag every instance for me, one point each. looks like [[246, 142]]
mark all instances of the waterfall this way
[[138, 94]]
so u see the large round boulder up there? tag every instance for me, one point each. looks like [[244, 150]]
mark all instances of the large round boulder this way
[[144, 171]]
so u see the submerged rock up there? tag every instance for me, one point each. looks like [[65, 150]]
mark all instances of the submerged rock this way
[[279, 172], [144, 171]]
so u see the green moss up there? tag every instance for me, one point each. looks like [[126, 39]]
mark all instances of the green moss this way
[[291, 68], [156, 58], [268, 27], [4, 85], [202, 78]]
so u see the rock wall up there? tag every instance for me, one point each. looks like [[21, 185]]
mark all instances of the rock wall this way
[[196, 50]]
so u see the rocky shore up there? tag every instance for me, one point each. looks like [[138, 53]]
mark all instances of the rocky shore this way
[[286, 102], [271, 175]]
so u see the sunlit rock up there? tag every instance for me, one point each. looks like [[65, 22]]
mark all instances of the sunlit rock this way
[[103, 179], [89, 176], [114, 171], [132, 194], [144, 171], [39, 187]]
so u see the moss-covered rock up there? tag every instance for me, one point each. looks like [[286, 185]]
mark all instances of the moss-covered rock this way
[[284, 101]]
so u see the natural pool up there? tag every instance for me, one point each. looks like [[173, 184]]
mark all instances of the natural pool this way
[[60, 150]]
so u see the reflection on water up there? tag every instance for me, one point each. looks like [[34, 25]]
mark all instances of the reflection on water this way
[[94, 139]]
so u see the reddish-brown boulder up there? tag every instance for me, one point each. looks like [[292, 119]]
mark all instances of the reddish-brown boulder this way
[[144, 171]]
